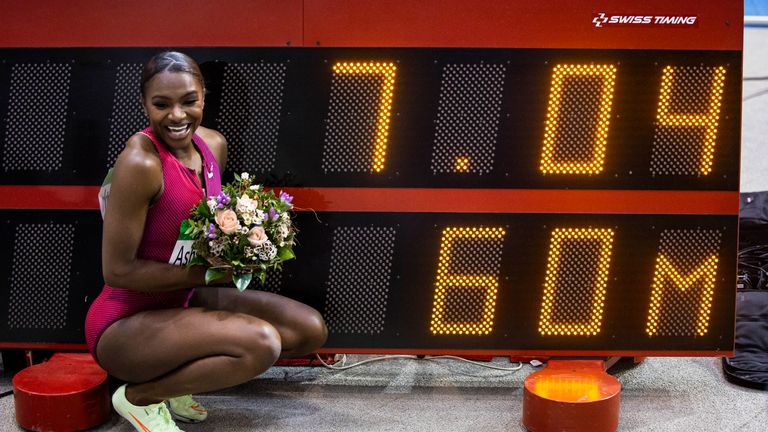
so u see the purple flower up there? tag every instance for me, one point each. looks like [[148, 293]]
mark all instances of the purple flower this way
[[285, 197], [222, 199], [273, 214], [211, 231]]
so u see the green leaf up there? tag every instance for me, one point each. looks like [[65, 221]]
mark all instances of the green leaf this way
[[212, 275], [263, 277], [285, 253], [203, 210], [186, 228], [242, 280], [197, 260]]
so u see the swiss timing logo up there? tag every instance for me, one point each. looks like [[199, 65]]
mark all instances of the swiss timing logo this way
[[599, 20], [602, 19]]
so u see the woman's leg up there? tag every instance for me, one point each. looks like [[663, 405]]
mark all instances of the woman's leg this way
[[302, 329], [171, 352]]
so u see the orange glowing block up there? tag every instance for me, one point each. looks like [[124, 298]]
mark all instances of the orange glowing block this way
[[571, 395]]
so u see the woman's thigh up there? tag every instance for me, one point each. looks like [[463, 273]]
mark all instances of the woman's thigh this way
[[299, 325], [150, 344]]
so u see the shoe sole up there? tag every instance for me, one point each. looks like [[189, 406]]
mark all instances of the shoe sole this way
[[183, 419]]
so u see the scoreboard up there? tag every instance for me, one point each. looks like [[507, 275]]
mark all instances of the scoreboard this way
[[487, 178]]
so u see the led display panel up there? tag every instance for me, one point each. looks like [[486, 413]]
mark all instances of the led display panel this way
[[483, 200]]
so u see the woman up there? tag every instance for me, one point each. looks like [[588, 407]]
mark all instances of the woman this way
[[153, 325]]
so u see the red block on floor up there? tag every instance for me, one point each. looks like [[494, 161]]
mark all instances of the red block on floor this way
[[69, 392], [571, 395]]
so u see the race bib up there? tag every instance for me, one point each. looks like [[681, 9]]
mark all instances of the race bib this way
[[182, 250]]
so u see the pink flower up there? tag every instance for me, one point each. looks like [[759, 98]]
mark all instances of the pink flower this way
[[227, 220], [257, 236]]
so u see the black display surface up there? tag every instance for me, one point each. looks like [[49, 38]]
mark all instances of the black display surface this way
[[469, 120], [483, 281]]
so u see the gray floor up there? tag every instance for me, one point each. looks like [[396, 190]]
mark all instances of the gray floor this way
[[659, 394]]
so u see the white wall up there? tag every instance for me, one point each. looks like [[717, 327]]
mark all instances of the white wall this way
[[754, 130]]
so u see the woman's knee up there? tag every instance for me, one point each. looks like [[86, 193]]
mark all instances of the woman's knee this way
[[262, 345], [317, 331], [309, 333]]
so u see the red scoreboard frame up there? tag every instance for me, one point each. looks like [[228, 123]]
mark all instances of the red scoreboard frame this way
[[582, 202]]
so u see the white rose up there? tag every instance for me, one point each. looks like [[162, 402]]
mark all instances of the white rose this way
[[227, 221], [257, 236]]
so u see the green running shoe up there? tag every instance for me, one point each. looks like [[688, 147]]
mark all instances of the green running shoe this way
[[187, 410], [149, 418]]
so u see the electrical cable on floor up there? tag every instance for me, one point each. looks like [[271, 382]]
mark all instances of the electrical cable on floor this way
[[758, 93], [360, 363], [6, 393], [413, 357], [476, 363], [754, 95]]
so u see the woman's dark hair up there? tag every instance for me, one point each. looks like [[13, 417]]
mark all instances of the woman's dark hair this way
[[170, 61]]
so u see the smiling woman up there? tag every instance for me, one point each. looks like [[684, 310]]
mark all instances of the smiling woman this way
[[173, 97], [153, 325]]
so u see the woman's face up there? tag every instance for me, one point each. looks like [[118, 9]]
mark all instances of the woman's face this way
[[174, 103]]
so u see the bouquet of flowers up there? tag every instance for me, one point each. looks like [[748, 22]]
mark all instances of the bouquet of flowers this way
[[244, 229]]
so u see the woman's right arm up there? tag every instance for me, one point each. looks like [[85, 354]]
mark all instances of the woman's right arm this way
[[136, 180]]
